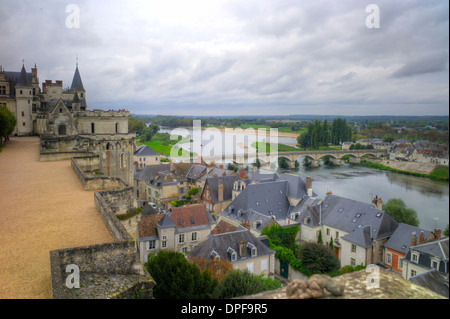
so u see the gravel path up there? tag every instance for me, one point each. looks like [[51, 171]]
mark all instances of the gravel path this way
[[43, 207]]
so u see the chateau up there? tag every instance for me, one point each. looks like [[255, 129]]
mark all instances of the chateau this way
[[67, 128]]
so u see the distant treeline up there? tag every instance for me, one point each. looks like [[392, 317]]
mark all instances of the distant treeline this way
[[388, 128], [321, 134]]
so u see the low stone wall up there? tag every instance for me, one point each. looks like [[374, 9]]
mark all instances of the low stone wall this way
[[292, 273], [383, 284], [60, 156], [108, 214], [82, 164], [113, 268]]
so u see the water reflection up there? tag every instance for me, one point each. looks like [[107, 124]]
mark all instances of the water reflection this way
[[429, 198]]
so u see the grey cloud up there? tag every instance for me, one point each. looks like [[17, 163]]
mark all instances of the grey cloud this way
[[430, 63]]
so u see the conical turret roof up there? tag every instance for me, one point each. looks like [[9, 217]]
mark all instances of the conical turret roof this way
[[77, 84], [23, 79]]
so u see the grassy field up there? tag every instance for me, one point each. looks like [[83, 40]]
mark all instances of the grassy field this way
[[441, 173], [162, 144]]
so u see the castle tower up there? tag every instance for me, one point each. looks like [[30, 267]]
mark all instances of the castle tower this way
[[24, 99]]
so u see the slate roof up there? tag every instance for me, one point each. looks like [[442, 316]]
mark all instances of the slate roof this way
[[166, 222], [77, 84], [17, 78], [213, 184], [222, 245], [144, 150], [216, 172], [307, 212], [264, 175], [268, 199], [296, 186], [432, 280], [353, 216], [195, 172], [400, 239], [149, 172], [437, 248]]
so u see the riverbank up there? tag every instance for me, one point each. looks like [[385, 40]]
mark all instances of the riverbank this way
[[239, 130], [428, 170]]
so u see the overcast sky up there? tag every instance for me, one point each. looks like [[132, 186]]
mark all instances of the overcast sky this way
[[239, 57]]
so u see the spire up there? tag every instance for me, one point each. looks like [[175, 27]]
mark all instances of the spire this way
[[77, 84], [23, 79]]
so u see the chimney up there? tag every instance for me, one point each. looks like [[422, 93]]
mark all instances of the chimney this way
[[308, 182], [34, 78], [172, 165], [421, 238], [242, 249], [379, 204], [242, 172], [220, 191], [255, 168], [414, 239], [200, 156], [437, 232], [221, 166]]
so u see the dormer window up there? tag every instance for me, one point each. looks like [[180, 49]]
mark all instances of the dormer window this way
[[435, 264], [415, 257], [253, 250], [215, 255], [233, 254]]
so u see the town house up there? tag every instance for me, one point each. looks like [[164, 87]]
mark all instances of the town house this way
[[241, 248], [402, 239], [358, 230], [180, 229]]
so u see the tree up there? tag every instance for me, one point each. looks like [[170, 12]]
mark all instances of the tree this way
[[280, 236], [238, 283], [7, 123], [319, 239], [397, 209], [446, 231], [257, 163], [135, 125], [217, 267], [283, 163], [317, 258], [331, 243], [177, 278], [148, 132], [304, 139]]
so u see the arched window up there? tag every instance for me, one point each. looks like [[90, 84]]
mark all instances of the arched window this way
[[107, 146], [117, 127], [62, 130]]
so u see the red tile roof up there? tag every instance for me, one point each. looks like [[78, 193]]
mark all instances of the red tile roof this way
[[188, 216]]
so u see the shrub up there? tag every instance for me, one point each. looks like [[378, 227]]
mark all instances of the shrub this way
[[242, 283], [317, 258]]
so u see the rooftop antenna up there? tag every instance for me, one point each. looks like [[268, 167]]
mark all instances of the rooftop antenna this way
[[76, 57]]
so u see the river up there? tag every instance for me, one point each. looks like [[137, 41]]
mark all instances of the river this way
[[429, 198]]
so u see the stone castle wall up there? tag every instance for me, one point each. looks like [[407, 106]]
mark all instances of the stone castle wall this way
[[106, 271]]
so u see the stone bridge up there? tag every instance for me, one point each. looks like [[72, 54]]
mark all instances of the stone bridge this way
[[291, 156], [334, 155]]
